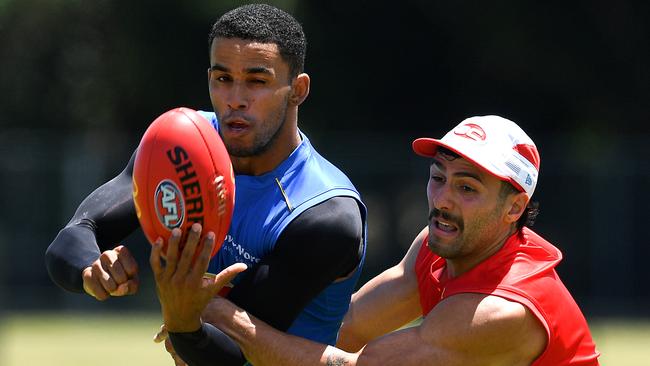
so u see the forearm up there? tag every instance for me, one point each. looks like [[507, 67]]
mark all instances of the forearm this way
[[385, 303], [263, 345], [73, 249], [106, 216]]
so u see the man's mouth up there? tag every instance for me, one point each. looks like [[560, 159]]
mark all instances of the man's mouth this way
[[444, 222], [444, 226], [237, 125]]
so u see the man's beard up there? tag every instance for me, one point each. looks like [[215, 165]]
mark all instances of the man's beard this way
[[264, 140]]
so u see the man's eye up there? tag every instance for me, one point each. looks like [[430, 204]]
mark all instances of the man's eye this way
[[258, 81], [223, 79], [466, 188], [436, 178]]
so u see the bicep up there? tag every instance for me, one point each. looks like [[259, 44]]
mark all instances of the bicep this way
[[383, 304], [321, 245]]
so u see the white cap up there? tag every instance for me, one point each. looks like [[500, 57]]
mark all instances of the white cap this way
[[493, 143]]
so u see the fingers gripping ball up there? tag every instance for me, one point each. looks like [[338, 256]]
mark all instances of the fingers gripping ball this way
[[182, 175]]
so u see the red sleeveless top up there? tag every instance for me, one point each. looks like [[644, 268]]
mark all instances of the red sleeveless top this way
[[523, 270]]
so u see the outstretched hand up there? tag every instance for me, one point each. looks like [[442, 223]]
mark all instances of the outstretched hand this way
[[183, 287]]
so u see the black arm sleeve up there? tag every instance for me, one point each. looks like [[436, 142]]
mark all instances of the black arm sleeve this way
[[322, 244], [104, 218]]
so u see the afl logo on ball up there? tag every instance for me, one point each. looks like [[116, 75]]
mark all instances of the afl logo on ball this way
[[170, 206]]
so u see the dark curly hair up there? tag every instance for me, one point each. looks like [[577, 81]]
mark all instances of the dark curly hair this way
[[265, 24]]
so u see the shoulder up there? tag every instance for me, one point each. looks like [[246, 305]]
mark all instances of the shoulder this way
[[409, 260], [335, 218], [320, 164], [485, 325], [330, 233]]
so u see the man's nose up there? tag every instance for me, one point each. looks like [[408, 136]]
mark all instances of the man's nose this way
[[441, 198], [238, 97]]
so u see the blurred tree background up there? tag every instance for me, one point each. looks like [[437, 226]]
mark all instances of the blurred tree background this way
[[81, 80]]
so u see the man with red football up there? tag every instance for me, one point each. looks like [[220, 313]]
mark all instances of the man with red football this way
[[298, 222], [484, 282]]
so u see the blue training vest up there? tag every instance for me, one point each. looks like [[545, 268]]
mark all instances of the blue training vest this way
[[266, 204]]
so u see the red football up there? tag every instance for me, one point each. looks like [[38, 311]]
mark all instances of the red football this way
[[182, 175]]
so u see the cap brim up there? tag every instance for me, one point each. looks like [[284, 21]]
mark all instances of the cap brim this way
[[428, 147], [425, 146]]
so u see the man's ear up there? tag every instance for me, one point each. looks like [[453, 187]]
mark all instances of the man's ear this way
[[299, 89], [517, 203]]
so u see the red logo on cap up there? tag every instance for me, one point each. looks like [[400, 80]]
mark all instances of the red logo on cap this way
[[471, 131]]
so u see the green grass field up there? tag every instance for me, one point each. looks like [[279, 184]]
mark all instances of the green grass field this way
[[125, 339], [69, 339]]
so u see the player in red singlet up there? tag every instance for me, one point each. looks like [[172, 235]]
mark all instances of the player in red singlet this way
[[484, 283]]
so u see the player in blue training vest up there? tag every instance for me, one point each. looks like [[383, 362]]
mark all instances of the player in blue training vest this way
[[298, 221]]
